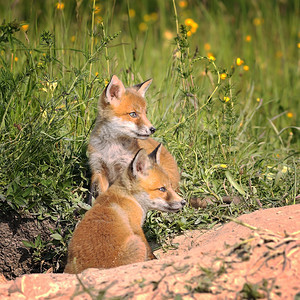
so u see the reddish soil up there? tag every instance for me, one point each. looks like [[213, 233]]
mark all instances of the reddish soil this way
[[257, 256]]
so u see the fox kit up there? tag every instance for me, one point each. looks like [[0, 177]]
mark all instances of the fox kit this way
[[111, 233], [121, 129]]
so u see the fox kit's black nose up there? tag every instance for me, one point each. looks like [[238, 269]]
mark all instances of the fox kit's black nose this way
[[183, 202], [152, 130]]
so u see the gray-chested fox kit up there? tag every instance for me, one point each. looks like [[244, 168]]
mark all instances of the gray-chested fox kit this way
[[111, 234], [121, 129]]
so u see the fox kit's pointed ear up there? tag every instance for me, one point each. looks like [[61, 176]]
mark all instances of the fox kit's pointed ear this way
[[114, 90], [143, 87], [140, 164], [155, 154]]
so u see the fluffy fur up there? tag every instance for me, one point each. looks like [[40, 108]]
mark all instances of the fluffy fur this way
[[121, 129], [111, 233]]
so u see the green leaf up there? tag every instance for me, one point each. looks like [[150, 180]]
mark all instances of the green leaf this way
[[19, 201], [56, 236], [277, 178], [234, 183], [28, 244], [27, 191], [84, 206]]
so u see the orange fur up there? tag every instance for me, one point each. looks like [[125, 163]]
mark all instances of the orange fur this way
[[110, 233], [167, 161], [121, 129]]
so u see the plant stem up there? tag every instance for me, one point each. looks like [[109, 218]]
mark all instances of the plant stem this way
[[92, 36], [106, 52]]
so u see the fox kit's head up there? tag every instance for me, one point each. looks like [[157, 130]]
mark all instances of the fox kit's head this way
[[125, 109], [154, 190]]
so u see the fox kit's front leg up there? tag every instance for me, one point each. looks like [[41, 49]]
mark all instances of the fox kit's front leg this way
[[99, 185], [149, 254], [99, 180]]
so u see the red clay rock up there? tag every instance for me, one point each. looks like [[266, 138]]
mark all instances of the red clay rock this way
[[230, 261]]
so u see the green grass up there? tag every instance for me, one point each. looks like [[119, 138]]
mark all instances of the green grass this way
[[52, 75]]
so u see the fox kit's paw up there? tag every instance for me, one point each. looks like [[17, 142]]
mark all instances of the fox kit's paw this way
[[152, 256], [94, 193]]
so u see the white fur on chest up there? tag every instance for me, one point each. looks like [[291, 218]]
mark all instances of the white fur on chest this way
[[116, 154], [113, 153]]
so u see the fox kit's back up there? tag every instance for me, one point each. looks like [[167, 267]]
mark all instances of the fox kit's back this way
[[111, 233]]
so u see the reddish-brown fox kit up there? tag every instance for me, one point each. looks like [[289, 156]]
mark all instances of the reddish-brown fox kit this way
[[111, 233], [121, 129]]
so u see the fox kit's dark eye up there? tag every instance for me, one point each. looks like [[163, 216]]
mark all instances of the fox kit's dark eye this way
[[133, 114], [163, 189]]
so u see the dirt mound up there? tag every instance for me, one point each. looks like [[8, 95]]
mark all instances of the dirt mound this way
[[15, 258], [257, 256]]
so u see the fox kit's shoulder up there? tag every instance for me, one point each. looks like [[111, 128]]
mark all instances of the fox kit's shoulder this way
[[111, 233]]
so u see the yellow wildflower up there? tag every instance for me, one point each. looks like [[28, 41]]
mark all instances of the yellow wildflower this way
[[194, 28], [188, 22], [73, 38], [258, 99], [298, 45], [16, 58], [25, 27], [270, 176], [223, 166], [131, 13], [168, 35], [258, 21], [60, 5], [99, 19], [192, 25], [239, 61], [154, 16], [143, 26], [97, 9], [147, 18], [290, 114], [206, 46], [96, 74], [226, 99], [151, 18], [248, 38], [246, 68], [223, 76], [49, 86], [182, 3], [211, 56]]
